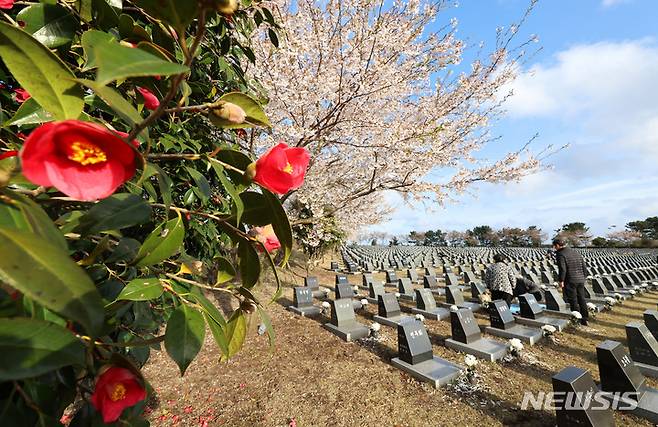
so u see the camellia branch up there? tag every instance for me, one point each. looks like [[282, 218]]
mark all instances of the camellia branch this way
[[201, 29]]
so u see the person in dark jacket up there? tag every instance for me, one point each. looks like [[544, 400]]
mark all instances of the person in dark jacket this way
[[572, 274]]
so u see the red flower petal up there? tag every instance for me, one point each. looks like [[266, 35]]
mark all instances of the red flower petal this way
[[8, 154], [282, 169], [46, 159], [151, 102], [6, 4]]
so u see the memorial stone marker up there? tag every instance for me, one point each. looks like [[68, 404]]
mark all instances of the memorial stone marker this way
[[643, 348], [577, 384]]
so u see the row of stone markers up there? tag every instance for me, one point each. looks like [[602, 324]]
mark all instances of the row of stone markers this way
[[414, 348]]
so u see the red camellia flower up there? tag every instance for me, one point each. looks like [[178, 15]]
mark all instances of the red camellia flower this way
[[21, 95], [83, 160], [116, 389], [282, 168], [151, 102], [6, 4], [267, 237]]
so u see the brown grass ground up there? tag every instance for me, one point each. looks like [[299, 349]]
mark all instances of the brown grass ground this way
[[316, 379]]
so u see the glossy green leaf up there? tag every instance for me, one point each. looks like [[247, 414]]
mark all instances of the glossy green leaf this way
[[230, 189], [196, 294], [201, 182], [52, 25], [225, 270], [41, 73], [125, 250], [263, 209], [116, 102], [142, 290], [31, 347], [114, 61], [265, 318], [46, 274], [118, 211], [255, 114], [21, 213], [184, 335], [236, 332], [179, 14], [106, 13], [29, 113], [249, 264], [162, 243]]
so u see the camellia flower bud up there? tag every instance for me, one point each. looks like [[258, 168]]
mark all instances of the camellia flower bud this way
[[227, 7], [267, 237], [230, 112]]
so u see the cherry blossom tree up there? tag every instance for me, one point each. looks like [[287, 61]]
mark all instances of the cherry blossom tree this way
[[370, 89]]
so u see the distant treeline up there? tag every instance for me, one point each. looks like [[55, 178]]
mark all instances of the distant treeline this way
[[638, 234]]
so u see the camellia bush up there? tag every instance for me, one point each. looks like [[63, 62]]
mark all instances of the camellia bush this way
[[127, 202]]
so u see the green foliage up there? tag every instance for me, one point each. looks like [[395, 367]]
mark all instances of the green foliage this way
[[648, 227], [88, 284]]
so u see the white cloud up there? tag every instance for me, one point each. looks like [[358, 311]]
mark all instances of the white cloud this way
[[608, 89], [609, 3]]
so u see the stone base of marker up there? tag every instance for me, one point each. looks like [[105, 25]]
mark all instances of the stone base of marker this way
[[392, 321], [527, 335], [438, 313], [474, 307], [646, 408], [439, 291], [372, 300], [408, 297], [540, 321], [306, 311], [435, 371], [560, 314], [483, 348], [648, 370], [348, 334]]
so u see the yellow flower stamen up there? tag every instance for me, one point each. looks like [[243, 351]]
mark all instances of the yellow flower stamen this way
[[288, 169], [118, 392], [86, 153]]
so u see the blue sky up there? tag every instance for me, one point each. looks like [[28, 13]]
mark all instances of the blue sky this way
[[594, 85]]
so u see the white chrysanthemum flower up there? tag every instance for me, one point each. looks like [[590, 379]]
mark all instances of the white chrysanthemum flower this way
[[325, 304], [549, 329], [325, 291], [609, 301], [375, 327], [397, 295], [364, 301], [591, 306], [617, 296], [454, 308], [470, 361], [420, 317], [356, 288], [631, 291], [576, 315], [516, 344]]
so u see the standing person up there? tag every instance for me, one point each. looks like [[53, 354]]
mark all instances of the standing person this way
[[572, 274], [500, 279]]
